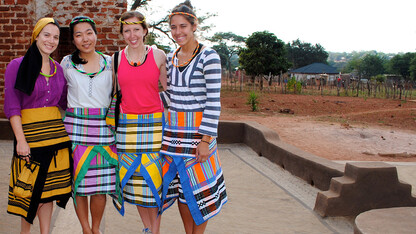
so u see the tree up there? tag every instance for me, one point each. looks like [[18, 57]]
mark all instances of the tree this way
[[354, 65], [264, 54], [228, 45], [372, 65], [340, 60], [152, 39], [412, 69], [159, 29], [137, 3], [223, 52], [301, 53], [400, 64]]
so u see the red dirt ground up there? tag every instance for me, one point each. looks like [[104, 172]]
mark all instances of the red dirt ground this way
[[337, 128]]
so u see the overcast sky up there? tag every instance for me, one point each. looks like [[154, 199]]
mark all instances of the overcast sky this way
[[338, 25]]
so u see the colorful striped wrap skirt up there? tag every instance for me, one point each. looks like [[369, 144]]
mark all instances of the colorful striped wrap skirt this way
[[93, 150], [200, 185], [50, 147], [139, 138]]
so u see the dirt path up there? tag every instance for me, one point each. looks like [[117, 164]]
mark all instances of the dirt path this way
[[368, 130], [337, 141]]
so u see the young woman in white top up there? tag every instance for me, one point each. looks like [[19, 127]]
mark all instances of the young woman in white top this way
[[89, 76]]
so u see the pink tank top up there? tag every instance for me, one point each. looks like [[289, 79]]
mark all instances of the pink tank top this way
[[139, 86]]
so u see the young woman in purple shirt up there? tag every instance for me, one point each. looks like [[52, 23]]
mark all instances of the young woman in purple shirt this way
[[34, 89]]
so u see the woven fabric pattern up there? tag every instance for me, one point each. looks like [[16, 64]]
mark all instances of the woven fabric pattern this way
[[49, 144], [87, 126], [95, 170], [139, 139], [200, 185]]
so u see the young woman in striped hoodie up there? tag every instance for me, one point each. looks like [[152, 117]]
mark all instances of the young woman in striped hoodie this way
[[192, 170]]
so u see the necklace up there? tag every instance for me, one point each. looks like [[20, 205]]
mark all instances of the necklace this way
[[187, 62], [141, 60], [54, 72], [92, 74]]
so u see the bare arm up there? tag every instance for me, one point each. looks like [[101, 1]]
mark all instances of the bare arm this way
[[22, 147], [163, 75], [160, 58], [114, 75]]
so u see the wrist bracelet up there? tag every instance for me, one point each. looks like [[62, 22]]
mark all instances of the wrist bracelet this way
[[205, 141]]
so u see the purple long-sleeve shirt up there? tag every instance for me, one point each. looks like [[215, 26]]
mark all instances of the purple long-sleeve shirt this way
[[45, 94]]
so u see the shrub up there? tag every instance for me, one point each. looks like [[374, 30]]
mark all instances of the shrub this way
[[252, 100], [291, 85]]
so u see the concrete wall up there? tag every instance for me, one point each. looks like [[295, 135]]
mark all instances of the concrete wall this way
[[313, 169], [362, 186]]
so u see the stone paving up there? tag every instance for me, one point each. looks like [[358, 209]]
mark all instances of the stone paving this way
[[263, 198]]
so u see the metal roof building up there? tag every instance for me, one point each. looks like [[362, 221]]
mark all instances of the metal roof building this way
[[314, 71]]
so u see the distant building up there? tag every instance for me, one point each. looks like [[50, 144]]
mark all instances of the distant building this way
[[314, 72]]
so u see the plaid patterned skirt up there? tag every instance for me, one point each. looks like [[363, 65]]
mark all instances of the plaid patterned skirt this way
[[87, 126], [50, 147], [94, 152], [94, 170], [200, 185], [139, 139]]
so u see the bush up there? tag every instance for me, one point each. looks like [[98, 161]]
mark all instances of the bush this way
[[291, 85], [253, 100]]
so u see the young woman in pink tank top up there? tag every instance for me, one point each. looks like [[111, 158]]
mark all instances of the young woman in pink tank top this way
[[140, 124]]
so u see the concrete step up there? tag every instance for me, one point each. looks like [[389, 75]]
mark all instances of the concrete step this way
[[338, 183], [365, 186]]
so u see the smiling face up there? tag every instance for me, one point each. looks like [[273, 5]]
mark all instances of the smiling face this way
[[84, 37], [48, 39], [182, 30], [134, 34]]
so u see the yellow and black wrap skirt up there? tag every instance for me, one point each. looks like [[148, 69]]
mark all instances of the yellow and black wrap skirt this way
[[50, 147]]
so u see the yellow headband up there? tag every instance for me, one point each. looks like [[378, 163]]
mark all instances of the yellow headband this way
[[137, 22], [182, 13], [39, 26]]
